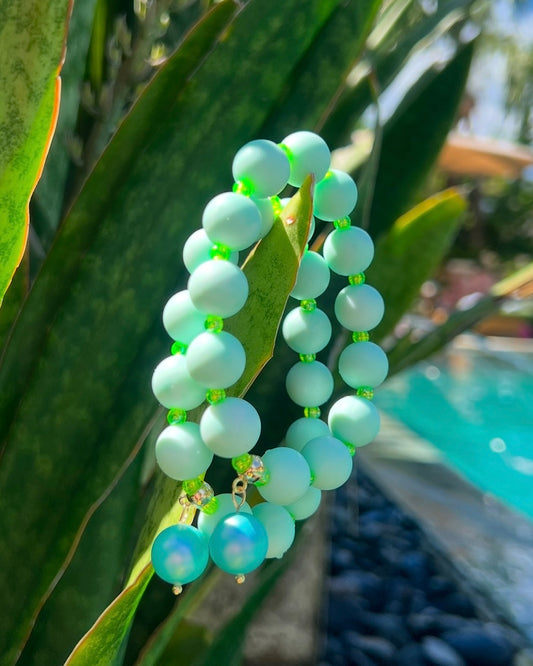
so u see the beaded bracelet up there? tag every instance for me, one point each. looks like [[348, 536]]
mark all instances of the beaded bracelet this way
[[317, 455]]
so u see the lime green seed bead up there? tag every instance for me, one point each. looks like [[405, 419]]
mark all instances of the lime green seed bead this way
[[219, 251], [308, 304], [365, 392], [242, 187], [241, 463], [178, 348], [214, 323], [176, 416], [214, 396], [351, 448], [190, 486], [358, 278], [343, 223], [360, 336], [312, 412], [277, 206], [307, 358], [211, 507]]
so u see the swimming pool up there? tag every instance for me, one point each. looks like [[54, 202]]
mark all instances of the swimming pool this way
[[474, 403]]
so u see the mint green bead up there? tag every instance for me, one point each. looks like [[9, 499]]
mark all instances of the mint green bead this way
[[266, 210], [359, 307], [279, 526], [182, 321], [197, 250], [354, 420], [335, 196], [230, 428], [290, 476], [304, 429], [312, 278], [216, 360], [173, 385], [262, 166], [225, 506], [306, 332], [181, 453], [348, 251], [232, 219], [329, 460], [238, 543], [306, 505], [180, 554], [309, 384], [218, 287], [363, 364], [308, 153]]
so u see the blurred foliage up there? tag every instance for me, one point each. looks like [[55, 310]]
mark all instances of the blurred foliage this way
[[152, 89]]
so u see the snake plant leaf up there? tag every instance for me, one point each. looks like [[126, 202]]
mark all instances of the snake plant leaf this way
[[271, 270], [32, 35], [411, 251], [414, 136]]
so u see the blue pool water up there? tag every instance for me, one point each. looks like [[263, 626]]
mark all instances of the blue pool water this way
[[476, 407]]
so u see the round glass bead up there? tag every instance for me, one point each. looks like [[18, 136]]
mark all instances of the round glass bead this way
[[216, 359], [312, 278], [329, 461], [309, 383], [303, 430], [335, 196], [198, 248], [176, 416], [225, 506], [279, 526], [173, 385], [233, 220], [354, 420], [359, 307], [306, 332], [180, 554], [230, 428], [181, 453], [267, 213], [290, 476], [363, 364], [348, 251], [218, 288], [215, 395], [262, 166], [306, 505], [238, 544], [308, 153], [182, 321]]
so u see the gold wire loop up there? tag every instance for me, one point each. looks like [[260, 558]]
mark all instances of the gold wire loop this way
[[238, 491]]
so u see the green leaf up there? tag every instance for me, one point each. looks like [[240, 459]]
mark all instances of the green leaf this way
[[411, 251], [14, 298], [413, 138], [32, 35], [274, 261]]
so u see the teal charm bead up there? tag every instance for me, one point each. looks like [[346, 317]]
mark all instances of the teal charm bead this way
[[230, 428], [312, 278], [216, 360], [306, 332], [279, 526], [348, 251], [304, 429], [180, 554], [233, 220], [238, 544], [309, 383], [173, 385], [182, 321], [363, 364], [354, 420], [329, 460], [306, 505], [225, 506], [359, 307], [198, 249], [290, 476], [181, 453], [262, 166], [307, 153], [335, 196], [218, 287]]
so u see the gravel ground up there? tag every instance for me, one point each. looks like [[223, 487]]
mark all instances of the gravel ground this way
[[389, 602]]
